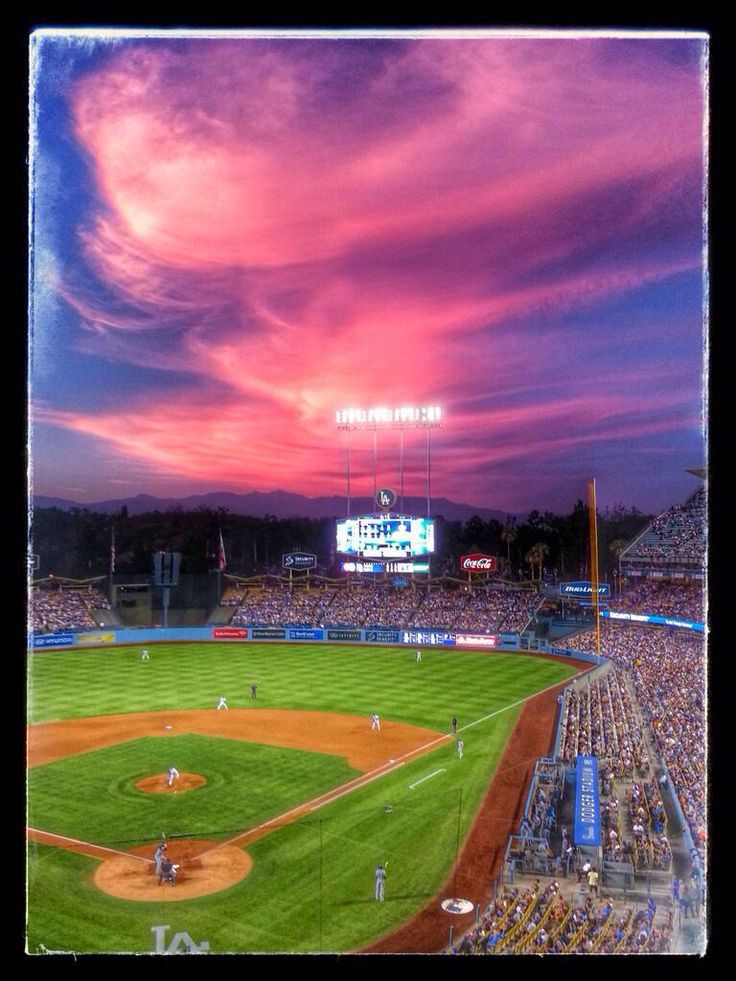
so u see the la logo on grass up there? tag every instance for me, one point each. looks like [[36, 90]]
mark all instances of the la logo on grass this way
[[181, 943]]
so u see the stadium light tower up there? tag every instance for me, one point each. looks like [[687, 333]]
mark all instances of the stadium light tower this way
[[382, 418]]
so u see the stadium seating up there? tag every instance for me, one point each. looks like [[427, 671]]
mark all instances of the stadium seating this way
[[54, 608], [667, 669]]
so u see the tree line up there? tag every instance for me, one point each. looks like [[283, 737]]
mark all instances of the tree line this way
[[77, 543]]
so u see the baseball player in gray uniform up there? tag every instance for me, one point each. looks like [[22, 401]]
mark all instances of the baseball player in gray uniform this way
[[380, 882]]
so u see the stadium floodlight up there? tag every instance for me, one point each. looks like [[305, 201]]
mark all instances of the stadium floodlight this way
[[382, 417]]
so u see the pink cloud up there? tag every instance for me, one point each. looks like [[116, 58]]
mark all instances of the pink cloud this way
[[308, 244]]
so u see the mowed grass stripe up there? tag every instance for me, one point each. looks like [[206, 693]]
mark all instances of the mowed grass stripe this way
[[334, 679]]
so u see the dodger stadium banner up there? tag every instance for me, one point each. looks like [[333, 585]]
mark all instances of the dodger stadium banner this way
[[587, 812]]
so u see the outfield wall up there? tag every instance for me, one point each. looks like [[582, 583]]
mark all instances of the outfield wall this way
[[416, 637]]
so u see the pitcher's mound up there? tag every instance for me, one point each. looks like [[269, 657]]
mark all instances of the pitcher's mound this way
[[158, 783], [204, 867]]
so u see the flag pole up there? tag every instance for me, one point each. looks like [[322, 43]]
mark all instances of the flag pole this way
[[221, 565], [112, 564]]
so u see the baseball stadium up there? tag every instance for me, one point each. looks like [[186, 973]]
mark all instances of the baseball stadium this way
[[524, 764]]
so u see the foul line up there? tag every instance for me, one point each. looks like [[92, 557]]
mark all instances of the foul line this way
[[322, 799], [86, 844], [428, 777], [520, 702], [380, 771]]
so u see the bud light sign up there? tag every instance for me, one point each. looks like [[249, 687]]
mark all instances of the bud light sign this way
[[477, 562], [583, 589]]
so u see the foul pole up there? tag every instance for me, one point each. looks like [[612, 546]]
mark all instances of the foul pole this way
[[593, 520]]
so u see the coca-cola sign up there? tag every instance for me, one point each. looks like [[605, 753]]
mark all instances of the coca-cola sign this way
[[477, 562]]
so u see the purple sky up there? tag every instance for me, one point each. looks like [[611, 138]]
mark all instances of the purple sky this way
[[234, 237]]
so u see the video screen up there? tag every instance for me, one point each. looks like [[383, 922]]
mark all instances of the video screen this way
[[381, 537]]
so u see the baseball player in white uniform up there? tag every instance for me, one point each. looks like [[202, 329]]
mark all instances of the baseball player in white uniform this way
[[173, 775], [375, 722], [418, 657], [459, 749], [144, 655], [222, 704]]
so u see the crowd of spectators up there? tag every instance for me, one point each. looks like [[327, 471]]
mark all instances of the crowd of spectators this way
[[65, 608], [667, 670], [488, 610], [501, 609], [598, 719], [650, 847], [545, 794], [662, 598], [676, 536], [540, 920]]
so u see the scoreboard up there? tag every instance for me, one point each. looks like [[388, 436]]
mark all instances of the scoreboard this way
[[385, 537]]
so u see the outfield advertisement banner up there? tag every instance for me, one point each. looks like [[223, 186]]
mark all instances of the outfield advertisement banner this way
[[306, 633], [344, 635], [268, 633], [230, 633], [97, 637], [382, 636], [587, 814], [476, 640], [434, 638], [53, 640], [651, 618]]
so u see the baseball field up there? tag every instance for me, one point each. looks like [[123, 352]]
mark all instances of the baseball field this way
[[285, 803]]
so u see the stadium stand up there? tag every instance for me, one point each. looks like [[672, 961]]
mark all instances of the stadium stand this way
[[667, 668], [63, 607], [662, 598], [489, 610], [542, 920], [677, 537]]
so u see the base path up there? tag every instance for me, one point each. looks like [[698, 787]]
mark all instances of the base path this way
[[210, 866], [482, 855], [348, 736]]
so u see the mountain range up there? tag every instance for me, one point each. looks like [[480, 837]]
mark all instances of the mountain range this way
[[281, 504]]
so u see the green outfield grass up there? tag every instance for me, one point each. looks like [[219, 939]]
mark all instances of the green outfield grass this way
[[356, 680], [311, 885]]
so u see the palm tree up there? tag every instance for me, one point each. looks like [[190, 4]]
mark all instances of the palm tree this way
[[509, 534], [531, 558], [538, 552], [616, 548]]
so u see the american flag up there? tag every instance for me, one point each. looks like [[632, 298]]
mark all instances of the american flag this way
[[221, 563]]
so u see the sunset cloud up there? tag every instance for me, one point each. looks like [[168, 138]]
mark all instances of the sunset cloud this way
[[287, 226]]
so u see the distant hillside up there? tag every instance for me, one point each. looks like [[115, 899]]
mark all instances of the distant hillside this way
[[281, 504]]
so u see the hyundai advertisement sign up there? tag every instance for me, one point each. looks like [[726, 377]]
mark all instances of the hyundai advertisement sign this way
[[583, 590], [53, 640]]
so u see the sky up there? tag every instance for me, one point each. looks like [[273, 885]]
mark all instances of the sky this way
[[233, 237]]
